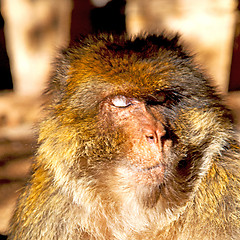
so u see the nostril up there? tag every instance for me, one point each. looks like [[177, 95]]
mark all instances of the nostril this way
[[151, 138], [154, 134]]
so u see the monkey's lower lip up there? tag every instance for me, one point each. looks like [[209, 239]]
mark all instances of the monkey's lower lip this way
[[144, 169], [149, 175], [153, 167]]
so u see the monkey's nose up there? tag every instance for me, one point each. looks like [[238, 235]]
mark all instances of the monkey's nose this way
[[154, 135]]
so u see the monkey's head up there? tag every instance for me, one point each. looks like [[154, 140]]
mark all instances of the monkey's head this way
[[133, 122]]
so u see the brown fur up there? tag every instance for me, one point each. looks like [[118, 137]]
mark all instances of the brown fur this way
[[165, 166]]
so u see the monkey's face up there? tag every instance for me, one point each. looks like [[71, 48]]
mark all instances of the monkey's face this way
[[147, 143], [142, 118], [151, 162]]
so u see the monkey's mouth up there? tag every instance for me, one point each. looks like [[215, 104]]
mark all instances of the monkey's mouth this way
[[150, 168], [149, 175]]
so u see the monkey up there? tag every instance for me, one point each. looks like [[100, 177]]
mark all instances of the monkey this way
[[136, 144]]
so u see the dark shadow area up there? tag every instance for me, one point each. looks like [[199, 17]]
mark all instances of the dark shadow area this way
[[3, 237], [6, 78], [89, 19], [110, 18], [234, 81]]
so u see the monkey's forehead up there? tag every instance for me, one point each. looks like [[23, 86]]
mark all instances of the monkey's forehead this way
[[143, 63]]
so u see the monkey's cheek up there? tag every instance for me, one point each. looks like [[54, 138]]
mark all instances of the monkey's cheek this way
[[151, 176]]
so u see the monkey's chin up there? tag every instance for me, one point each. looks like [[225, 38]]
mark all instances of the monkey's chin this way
[[142, 185], [148, 185]]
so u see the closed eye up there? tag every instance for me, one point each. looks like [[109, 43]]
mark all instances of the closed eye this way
[[163, 98], [156, 98], [121, 101]]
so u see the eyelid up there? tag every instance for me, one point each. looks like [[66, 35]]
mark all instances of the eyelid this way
[[157, 98], [167, 97], [121, 101], [161, 96]]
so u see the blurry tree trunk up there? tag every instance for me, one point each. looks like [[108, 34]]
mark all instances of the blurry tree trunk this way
[[33, 32], [206, 26]]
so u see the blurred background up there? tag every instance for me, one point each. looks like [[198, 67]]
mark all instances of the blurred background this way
[[32, 32]]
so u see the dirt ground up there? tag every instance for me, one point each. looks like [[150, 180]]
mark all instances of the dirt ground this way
[[18, 143]]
